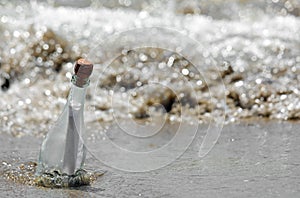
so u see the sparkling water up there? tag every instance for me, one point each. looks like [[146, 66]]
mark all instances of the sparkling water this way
[[253, 44]]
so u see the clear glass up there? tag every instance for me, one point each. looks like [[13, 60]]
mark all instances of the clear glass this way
[[63, 148]]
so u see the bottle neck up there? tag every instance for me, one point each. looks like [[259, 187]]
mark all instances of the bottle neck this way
[[80, 82], [78, 92]]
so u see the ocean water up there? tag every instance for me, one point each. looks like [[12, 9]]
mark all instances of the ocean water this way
[[189, 60]]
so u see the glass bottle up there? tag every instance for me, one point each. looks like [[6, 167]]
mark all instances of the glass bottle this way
[[63, 148]]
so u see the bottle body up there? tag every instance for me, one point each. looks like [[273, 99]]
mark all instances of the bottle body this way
[[63, 148]]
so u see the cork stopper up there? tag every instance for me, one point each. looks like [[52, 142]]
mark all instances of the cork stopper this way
[[83, 69]]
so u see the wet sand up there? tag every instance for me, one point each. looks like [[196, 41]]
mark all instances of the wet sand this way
[[250, 159]]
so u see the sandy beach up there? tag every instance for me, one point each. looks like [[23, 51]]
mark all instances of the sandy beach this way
[[250, 159]]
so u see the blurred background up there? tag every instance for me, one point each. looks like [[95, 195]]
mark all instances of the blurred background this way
[[250, 46]]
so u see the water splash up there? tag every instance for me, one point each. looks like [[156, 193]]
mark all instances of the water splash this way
[[258, 39], [25, 174]]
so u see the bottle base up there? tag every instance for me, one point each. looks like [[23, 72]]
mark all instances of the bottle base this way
[[55, 179]]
